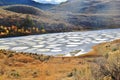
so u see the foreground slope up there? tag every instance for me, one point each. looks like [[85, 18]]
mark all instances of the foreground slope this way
[[28, 66]]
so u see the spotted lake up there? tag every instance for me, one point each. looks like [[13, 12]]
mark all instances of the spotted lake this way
[[59, 43]]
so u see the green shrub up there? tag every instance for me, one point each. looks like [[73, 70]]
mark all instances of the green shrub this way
[[28, 22]]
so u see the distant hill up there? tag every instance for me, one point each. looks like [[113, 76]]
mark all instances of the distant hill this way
[[89, 6], [24, 9], [91, 14], [27, 2]]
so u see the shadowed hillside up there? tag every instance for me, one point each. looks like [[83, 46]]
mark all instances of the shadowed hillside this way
[[24, 9], [89, 6], [91, 14], [26, 2], [17, 16]]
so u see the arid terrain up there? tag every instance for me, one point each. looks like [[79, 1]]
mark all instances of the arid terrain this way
[[100, 64], [59, 56]]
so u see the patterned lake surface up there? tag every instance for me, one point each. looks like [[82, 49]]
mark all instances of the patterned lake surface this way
[[59, 43]]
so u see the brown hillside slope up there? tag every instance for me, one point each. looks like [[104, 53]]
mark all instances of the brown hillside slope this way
[[10, 15]]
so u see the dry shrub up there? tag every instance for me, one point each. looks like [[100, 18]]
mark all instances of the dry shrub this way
[[13, 74], [2, 56], [43, 57], [25, 59], [108, 68], [107, 47], [18, 64], [2, 69], [114, 65], [81, 74]]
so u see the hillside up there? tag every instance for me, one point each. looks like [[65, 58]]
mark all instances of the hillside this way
[[29, 66], [91, 14], [89, 6], [24, 9], [73, 15], [26, 2], [25, 17]]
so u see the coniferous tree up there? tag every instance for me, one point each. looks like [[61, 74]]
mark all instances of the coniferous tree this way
[[28, 22]]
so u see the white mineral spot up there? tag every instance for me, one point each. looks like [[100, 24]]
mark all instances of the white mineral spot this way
[[9, 43], [75, 43], [2, 41], [71, 45], [73, 37], [80, 53], [56, 50], [100, 39], [19, 48], [38, 46], [54, 45], [75, 40], [4, 47], [68, 55], [43, 50]]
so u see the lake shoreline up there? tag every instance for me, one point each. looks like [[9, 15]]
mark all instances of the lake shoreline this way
[[59, 43], [23, 35]]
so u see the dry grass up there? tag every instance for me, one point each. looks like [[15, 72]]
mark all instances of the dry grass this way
[[108, 66], [104, 49], [22, 66]]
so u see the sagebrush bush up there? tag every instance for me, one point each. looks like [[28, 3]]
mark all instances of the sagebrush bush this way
[[108, 68]]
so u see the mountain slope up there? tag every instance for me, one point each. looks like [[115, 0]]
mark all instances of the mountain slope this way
[[89, 6], [26, 17], [91, 14], [68, 16], [26, 2], [24, 9]]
